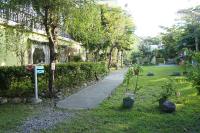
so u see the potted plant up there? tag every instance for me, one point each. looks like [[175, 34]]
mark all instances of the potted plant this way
[[168, 89], [128, 101]]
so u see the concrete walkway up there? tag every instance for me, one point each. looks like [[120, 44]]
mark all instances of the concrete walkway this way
[[92, 96]]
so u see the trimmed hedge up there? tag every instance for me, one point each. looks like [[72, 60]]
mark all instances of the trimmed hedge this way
[[160, 60], [16, 81]]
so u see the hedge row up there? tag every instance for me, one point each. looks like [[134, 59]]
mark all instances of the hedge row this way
[[16, 81]]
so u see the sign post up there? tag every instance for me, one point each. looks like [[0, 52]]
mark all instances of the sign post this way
[[53, 68], [37, 70]]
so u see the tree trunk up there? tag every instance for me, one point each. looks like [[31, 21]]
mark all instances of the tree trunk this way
[[51, 72], [96, 56], [105, 56], [122, 52], [50, 27], [197, 43], [117, 59], [110, 57]]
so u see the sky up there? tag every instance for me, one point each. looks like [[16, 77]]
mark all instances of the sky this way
[[149, 15]]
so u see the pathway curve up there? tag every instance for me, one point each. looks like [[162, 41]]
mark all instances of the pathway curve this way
[[92, 96]]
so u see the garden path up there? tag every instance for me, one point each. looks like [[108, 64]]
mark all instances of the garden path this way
[[93, 95], [90, 97]]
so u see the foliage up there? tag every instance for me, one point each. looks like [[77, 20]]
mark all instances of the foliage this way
[[168, 89], [184, 34], [145, 117], [146, 51], [76, 58], [160, 60], [137, 69], [135, 56], [84, 25], [194, 72], [15, 41], [190, 18], [17, 81], [130, 76], [50, 14], [118, 28], [100, 28]]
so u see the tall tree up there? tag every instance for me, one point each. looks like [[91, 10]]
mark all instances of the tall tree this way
[[190, 18], [84, 25], [117, 28], [15, 41], [171, 39], [51, 14]]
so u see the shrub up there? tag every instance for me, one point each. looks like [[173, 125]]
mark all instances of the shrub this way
[[167, 90], [16, 81], [76, 58], [176, 74], [194, 72], [132, 72], [160, 60]]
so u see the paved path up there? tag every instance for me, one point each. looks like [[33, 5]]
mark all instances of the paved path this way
[[163, 65], [92, 96]]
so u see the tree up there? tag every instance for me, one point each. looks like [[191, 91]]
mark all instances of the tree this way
[[145, 48], [190, 18], [118, 29], [15, 39], [84, 25], [171, 40], [97, 26], [127, 39], [185, 34], [51, 14]]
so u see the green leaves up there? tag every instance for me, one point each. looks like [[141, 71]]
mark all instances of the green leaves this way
[[17, 81], [84, 25], [194, 72]]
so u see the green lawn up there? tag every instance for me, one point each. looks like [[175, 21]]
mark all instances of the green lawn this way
[[12, 115], [109, 117], [145, 116]]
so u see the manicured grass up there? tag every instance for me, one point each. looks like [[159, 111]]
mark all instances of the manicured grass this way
[[145, 116], [12, 116]]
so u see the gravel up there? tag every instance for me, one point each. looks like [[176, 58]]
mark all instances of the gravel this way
[[47, 118]]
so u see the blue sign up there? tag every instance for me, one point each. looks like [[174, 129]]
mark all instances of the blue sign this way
[[40, 67], [40, 71]]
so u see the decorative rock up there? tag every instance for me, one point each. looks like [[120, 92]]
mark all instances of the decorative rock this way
[[167, 106], [3, 100], [85, 85], [24, 100], [128, 101], [16, 100], [150, 74], [176, 74], [59, 95]]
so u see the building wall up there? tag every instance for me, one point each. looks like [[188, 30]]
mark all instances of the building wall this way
[[31, 41]]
